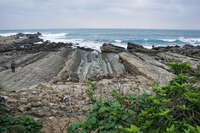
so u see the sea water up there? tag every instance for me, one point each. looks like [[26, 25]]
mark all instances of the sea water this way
[[94, 38]]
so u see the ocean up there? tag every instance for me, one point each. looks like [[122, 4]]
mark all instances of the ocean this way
[[94, 38]]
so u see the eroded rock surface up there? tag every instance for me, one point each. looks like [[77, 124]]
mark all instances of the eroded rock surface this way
[[91, 65], [187, 50], [137, 66], [50, 79], [39, 68]]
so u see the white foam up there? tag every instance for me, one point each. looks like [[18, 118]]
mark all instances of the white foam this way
[[38, 43], [54, 37], [148, 47], [118, 41], [193, 41], [124, 45], [61, 37], [168, 40], [90, 44], [14, 33], [29, 32]]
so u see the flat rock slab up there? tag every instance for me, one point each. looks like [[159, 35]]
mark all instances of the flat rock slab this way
[[137, 66], [167, 57], [40, 70]]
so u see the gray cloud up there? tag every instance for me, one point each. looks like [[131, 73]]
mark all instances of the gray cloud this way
[[31, 14]]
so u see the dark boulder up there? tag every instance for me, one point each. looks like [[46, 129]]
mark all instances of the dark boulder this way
[[133, 47], [186, 46], [84, 48], [39, 34], [110, 48], [20, 35]]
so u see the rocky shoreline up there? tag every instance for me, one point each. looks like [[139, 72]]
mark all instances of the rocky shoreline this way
[[50, 78]]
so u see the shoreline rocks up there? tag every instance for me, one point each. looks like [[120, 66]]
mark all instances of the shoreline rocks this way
[[50, 79], [110, 48], [61, 62]]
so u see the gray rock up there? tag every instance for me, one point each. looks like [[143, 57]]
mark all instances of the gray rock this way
[[136, 66], [91, 65], [133, 48], [187, 50], [36, 71], [167, 57], [110, 48]]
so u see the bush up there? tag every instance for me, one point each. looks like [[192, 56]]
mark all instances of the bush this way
[[180, 68], [197, 72], [25, 124], [174, 108]]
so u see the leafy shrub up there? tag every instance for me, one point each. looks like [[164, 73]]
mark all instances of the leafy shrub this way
[[180, 68], [197, 72], [174, 108], [25, 124]]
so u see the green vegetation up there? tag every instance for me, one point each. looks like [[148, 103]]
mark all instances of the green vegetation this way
[[25, 124], [180, 68], [174, 108]]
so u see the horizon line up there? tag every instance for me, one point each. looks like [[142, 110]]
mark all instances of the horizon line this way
[[98, 29]]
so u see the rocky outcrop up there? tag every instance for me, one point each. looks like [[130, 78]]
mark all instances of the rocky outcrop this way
[[50, 79], [110, 48], [59, 62], [134, 48], [137, 66], [187, 50], [29, 38], [36, 63], [167, 57], [40, 67], [29, 43], [91, 65]]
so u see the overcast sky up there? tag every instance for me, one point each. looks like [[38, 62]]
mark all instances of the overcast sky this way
[[159, 14]]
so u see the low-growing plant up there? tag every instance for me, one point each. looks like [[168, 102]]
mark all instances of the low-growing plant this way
[[180, 68], [197, 72], [174, 108], [24, 124]]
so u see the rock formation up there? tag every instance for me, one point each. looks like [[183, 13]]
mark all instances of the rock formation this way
[[110, 48], [59, 62], [50, 79]]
